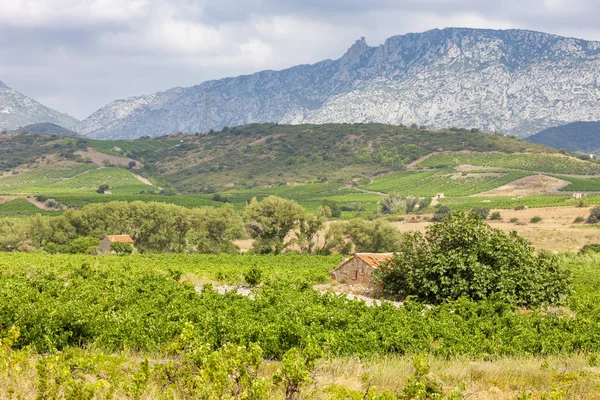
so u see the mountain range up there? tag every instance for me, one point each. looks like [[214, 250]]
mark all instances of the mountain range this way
[[18, 110], [576, 136], [517, 82]]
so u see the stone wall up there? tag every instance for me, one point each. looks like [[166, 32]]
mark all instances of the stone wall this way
[[354, 270]]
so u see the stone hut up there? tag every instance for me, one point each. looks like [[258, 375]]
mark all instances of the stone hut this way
[[358, 269], [104, 245]]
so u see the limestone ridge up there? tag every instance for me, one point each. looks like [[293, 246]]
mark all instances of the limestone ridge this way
[[18, 110], [513, 81]]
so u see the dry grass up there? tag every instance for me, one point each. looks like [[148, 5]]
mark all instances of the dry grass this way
[[507, 378]]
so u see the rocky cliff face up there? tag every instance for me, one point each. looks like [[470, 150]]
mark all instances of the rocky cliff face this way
[[513, 81], [18, 110]]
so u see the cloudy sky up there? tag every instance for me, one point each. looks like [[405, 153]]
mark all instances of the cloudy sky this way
[[77, 55]]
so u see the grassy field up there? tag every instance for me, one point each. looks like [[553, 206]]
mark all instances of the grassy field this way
[[555, 164], [21, 207]]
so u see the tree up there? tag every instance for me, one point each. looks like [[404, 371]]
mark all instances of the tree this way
[[309, 228], [359, 235], [392, 203], [213, 230], [424, 203], [83, 245], [269, 221], [121, 248], [464, 257], [411, 204], [334, 208], [102, 188], [132, 164]]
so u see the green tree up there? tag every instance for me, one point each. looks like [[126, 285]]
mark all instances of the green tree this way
[[481, 212], [213, 230], [83, 245], [359, 235], [269, 221], [594, 215], [392, 203], [463, 256]]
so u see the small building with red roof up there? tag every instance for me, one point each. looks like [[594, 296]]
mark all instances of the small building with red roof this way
[[358, 268]]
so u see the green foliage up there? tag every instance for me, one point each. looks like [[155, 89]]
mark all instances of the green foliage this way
[[535, 219], [463, 256], [334, 208], [392, 203], [441, 213], [121, 248], [578, 219], [549, 163], [253, 276], [362, 236], [269, 221], [102, 188], [83, 245], [495, 216], [514, 220], [594, 216], [430, 182], [481, 212], [590, 248]]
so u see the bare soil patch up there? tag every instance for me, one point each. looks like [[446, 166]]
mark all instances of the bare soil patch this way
[[556, 232], [530, 185], [98, 159]]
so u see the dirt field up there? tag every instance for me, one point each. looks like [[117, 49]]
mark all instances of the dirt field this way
[[530, 185], [556, 232], [98, 158]]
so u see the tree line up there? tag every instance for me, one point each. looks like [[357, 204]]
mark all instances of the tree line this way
[[276, 225]]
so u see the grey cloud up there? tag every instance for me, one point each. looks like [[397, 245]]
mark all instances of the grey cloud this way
[[78, 65]]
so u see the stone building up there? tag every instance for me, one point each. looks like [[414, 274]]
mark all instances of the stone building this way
[[104, 245], [358, 268]]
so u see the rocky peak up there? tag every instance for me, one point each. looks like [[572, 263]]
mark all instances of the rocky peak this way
[[3, 86], [357, 50]]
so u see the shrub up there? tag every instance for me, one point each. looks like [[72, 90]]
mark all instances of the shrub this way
[[465, 257], [253, 276], [82, 245], [424, 203], [514, 220], [535, 219], [519, 208], [495, 216], [441, 213], [392, 203], [121, 248], [594, 215], [590, 248], [481, 212], [579, 219]]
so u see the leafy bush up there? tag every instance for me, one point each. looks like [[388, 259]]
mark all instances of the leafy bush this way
[[359, 235], [463, 256], [520, 208], [594, 215], [83, 245], [392, 203], [514, 220], [495, 216], [590, 248], [121, 248], [535, 219], [253, 276], [441, 213], [579, 219], [481, 212]]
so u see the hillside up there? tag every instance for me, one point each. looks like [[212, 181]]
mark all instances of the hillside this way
[[577, 136], [18, 110], [352, 164], [270, 154], [46, 128], [512, 81]]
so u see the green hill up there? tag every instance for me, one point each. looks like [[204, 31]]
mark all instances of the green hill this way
[[577, 136], [354, 165]]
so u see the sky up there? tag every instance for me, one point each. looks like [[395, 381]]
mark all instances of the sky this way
[[78, 55]]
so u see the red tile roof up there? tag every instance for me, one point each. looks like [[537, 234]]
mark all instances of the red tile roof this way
[[120, 238], [374, 259]]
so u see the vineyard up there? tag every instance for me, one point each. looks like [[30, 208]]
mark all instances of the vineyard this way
[[447, 181], [554, 164], [56, 305]]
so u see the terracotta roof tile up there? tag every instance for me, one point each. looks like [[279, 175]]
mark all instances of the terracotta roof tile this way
[[374, 259], [120, 238]]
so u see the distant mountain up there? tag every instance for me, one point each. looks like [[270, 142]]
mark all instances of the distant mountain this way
[[17, 110], [47, 128], [576, 136], [513, 81]]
